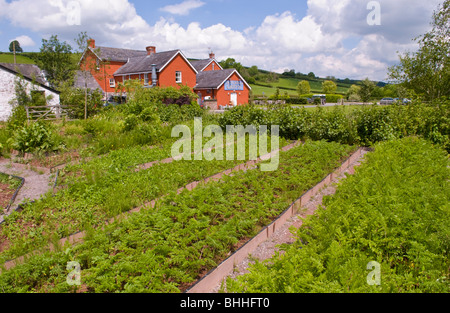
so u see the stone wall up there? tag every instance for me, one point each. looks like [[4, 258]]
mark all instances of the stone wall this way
[[7, 93]]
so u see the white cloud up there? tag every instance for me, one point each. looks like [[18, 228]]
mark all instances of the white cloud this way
[[314, 42], [183, 8], [401, 20], [24, 41], [3, 8]]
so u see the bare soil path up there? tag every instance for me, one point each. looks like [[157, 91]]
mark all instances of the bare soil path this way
[[37, 182]]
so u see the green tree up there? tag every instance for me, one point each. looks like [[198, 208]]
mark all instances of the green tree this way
[[311, 75], [253, 71], [303, 87], [353, 93], [231, 63], [15, 46], [427, 71], [329, 86], [366, 90], [55, 58]]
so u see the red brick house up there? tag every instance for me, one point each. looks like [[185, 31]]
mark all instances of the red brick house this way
[[105, 68], [224, 87]]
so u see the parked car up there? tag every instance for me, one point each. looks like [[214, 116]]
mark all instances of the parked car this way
[[406, 101], [387, 101], [321, 99], [402, 100]]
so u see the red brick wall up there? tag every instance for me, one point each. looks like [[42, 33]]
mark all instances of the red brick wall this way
[[105, 72], [167, 76], [210, 67], [223, 96]]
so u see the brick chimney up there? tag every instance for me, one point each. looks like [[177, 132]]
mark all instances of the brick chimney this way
[[150, 50], [91, 43], [212, 55]]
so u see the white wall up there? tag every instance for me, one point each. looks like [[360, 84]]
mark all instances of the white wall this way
[[7, 93]]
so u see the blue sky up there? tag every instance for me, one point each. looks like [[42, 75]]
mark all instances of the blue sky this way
[[327, 37]]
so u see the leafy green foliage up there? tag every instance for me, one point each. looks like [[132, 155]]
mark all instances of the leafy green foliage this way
[[55, 58], [364, 126], [34, 137], [17, 119], [329, 86], [75, 99], [394, 210], [165, 248], [303, 87], [427, 71]]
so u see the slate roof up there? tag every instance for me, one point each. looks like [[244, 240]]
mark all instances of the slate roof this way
[[200, 64], [29, 71], [80, 78], [212, 79], [144, 64], [117, 54]]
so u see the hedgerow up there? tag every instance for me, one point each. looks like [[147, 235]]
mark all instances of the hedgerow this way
[[362, 126]]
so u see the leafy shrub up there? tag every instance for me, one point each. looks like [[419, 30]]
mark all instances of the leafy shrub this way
[[35, 137], [130, 122], [149, 114], [297, 100], [333, 98], [17, 119], [364, 126], [75, 98]]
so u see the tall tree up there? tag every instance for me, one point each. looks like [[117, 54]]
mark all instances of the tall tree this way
[[303, 87], [14, 46], [329, 86], [55, 58], [427, 71], [366, 89]]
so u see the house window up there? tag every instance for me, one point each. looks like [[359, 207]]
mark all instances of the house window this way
[[146, 79], [112, 83], [178, 78]]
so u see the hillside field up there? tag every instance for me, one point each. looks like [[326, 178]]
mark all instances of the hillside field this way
[[9, 58], [289, 85]]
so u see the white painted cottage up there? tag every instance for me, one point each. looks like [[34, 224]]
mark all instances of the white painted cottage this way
[[9, 73]]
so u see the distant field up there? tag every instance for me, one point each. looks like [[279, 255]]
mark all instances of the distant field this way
[[9, 58], [290, 85]]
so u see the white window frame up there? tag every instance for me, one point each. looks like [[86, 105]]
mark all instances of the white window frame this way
[[178, 77], [146, 80], [112, 83]]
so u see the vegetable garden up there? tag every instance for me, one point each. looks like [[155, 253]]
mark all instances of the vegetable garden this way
[[394, 211], [178, 236]]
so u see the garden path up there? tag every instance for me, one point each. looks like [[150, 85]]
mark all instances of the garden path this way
[[37, 182]]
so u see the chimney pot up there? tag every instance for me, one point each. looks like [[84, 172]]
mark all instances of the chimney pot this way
[[150, 50]]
